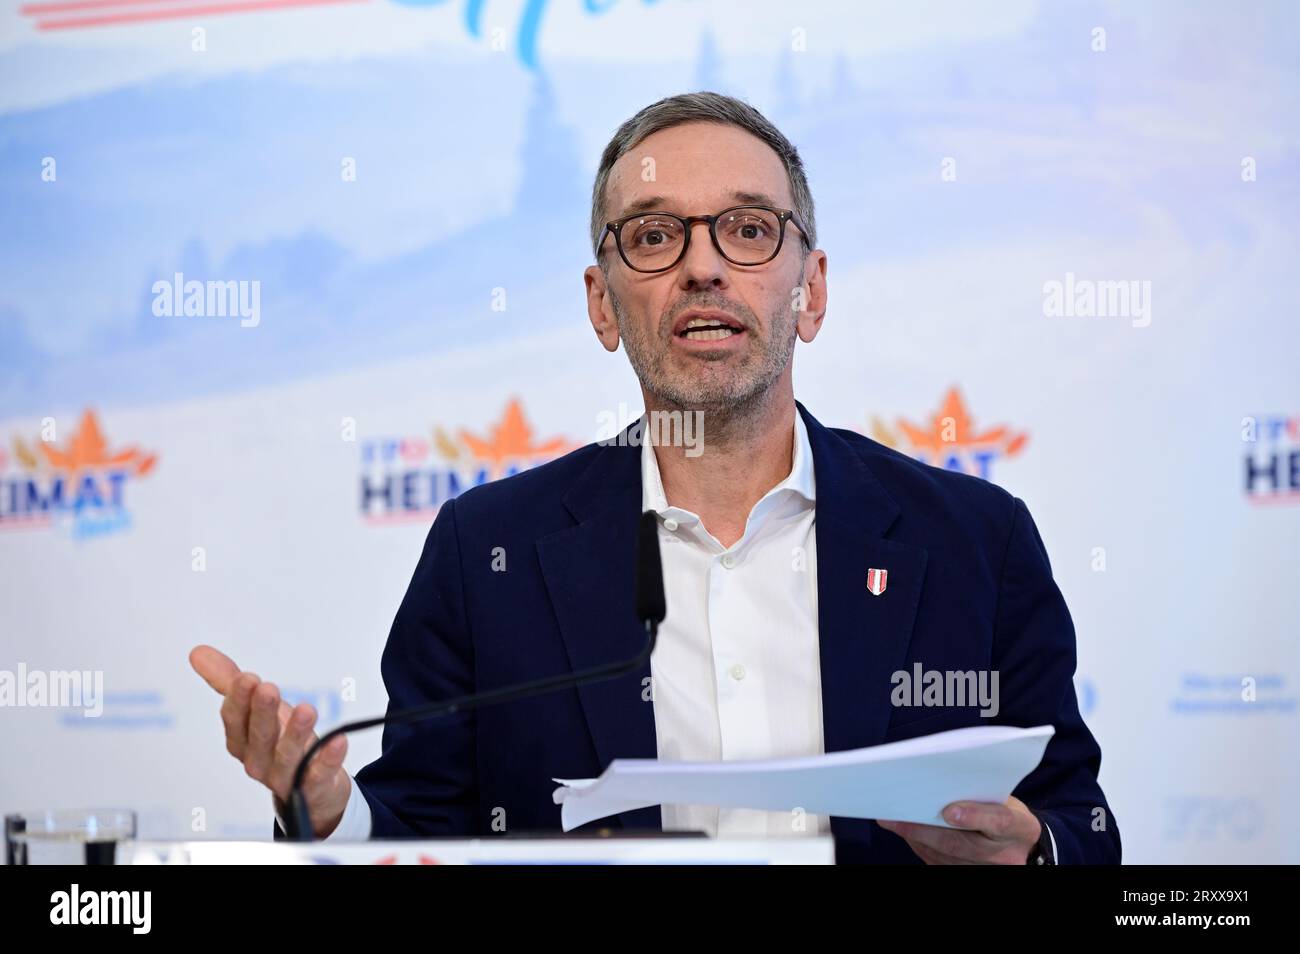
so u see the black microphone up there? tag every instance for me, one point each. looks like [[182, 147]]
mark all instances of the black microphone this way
[[651, 607]]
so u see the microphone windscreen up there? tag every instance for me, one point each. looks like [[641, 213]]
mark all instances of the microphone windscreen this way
[[650, 602]]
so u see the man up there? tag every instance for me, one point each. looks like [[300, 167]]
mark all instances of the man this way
[[783, 635]]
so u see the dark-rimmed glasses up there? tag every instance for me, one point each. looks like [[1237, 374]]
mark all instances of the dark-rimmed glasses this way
[[742, 234]]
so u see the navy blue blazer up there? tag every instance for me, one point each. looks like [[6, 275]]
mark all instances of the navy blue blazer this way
[[969, 588]]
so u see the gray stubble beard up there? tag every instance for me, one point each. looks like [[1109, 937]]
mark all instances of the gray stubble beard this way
[[738, 399]]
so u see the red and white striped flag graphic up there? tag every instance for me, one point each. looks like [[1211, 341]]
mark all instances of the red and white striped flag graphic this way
[[876, 581]]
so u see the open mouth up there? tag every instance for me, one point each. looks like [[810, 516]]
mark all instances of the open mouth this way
[[709, 329]]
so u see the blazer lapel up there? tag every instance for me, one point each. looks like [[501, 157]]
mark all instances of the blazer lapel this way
[[589, 571], [863, 637]]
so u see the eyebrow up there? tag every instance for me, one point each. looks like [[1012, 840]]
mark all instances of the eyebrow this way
[[659, 203]]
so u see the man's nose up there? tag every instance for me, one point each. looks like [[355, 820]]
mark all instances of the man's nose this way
[[702, 264]]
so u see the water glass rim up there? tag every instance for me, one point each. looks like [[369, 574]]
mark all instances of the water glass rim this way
[[70, 819]]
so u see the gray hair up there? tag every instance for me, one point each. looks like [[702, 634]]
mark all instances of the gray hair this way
[[693, 108]]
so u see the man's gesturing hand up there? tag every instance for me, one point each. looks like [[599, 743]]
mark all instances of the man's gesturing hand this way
[[268, 738], [1000, 835]]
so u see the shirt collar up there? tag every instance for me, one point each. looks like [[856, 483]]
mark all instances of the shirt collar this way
[[799, 481]]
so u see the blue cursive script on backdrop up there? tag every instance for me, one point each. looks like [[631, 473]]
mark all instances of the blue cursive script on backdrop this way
[[530, 21]]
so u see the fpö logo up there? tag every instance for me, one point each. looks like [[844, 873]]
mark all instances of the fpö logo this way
[[1271, 461], [79, 485], [409, 478], [950, 439]]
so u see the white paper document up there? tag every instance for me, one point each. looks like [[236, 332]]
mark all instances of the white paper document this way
[[911, 780]]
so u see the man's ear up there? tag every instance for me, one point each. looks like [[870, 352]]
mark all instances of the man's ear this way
[[600, 307], [811, 295]]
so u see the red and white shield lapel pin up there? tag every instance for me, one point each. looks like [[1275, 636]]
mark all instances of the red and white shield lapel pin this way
[[876, 581]]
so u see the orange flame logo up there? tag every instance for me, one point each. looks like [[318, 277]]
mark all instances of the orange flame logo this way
[[510, 440], [86, 450], [950, 430]]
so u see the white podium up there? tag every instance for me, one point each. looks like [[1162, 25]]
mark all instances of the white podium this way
[[817, 850]]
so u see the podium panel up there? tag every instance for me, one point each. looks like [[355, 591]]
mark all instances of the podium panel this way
[[487, 851]]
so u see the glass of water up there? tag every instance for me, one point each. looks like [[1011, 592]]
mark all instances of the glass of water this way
[[75, 837]]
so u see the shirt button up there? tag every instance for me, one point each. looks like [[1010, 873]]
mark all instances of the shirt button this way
[[738, 672], [670, 524], [728, 560]]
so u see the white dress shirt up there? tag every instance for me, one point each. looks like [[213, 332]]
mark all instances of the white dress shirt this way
[[736, 672]]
